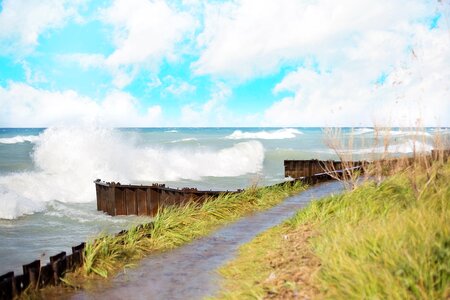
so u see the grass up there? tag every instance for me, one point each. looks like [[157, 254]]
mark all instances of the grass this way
[[380, 241], [172, 227]]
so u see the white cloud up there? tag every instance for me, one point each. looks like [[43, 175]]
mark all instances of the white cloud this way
[[32, 76], [250, 38], [343, 48], [416, 87], [22, 105], [145, 33], [23, 21], [178, 87], [211, 113]]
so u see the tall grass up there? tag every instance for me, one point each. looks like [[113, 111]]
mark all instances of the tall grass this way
[[176, 225], [379, 241]]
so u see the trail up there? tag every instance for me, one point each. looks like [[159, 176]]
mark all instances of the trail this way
[[189, 272]]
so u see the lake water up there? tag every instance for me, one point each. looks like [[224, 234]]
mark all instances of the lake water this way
[[47, 195]]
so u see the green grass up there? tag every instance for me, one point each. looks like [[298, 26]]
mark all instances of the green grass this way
[[386, 241], [174, 226]]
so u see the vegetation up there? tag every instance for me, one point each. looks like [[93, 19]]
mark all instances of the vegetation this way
[[382, 240], [172, 227]]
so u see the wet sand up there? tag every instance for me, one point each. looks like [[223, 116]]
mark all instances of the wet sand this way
[[189, 272]]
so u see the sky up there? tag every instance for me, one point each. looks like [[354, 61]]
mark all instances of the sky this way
[[283, 63]]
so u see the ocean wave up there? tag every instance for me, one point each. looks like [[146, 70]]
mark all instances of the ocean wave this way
[[171, 131], [69, 159], [69, 210], [15, 204], [391, 133], [360, 131], [280, 134], [407, 133], [185, 140], [19, 139], [406, 147]]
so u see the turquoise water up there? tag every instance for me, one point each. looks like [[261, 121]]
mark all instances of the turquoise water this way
[[47, 195]]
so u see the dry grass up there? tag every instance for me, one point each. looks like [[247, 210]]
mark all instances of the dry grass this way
[[172, 227], [378, 241]]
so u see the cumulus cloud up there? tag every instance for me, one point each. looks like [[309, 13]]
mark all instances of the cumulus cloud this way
[[352, 54], [414, 88], [23, 21], [22, 105], [177, 86], [250, 38], [144, 34], [211, 113]]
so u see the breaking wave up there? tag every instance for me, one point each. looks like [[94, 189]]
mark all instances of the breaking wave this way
[[406, 147], [360, 131], [391, 133], [19, 139], [280, 134], [69, 159]]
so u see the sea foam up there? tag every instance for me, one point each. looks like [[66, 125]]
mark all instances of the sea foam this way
[[280, 134], [69, 159], [19, 139], [406, 147]]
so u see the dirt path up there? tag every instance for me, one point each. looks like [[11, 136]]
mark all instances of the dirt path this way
[[189, 272]]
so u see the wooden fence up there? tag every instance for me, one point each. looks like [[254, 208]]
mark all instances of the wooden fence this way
[[36, 276], [144, 200], [117, 199]]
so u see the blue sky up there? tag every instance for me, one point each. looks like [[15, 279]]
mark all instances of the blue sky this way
[[224, 63]]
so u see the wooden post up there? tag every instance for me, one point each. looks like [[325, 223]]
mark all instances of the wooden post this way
[[130, 197], [141, 199], [120, 205], [46, 276], [98, 192], [32, 270], [77, 255], [104, 198], [111, 204], [59, 266], [7, 286], [20, 283], [155, 193]]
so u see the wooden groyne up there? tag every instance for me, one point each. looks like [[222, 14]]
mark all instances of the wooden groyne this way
[[36, 276], [306, 168], [144, 200]]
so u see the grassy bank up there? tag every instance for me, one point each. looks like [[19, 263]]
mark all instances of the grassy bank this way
[[173, 227], [380, 241]]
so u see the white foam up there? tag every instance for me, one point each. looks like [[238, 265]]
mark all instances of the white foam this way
[[406, 133], [360, 131], [69, 159], [407, 147], [14, 204], [63, 210], [392, 133], [171, 131], [185, 140], [19, 139], [280, 134]]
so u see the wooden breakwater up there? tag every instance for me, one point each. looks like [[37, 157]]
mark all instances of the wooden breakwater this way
[[144, 200], [36, 276], [307, 168], [117, 199]]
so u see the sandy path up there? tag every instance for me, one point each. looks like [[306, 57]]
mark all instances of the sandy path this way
[[189, 272]]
